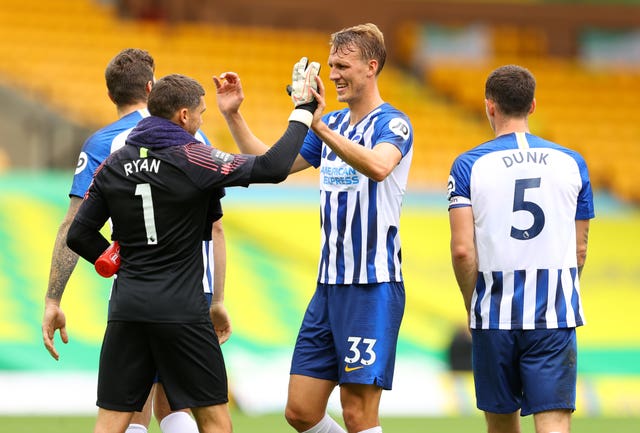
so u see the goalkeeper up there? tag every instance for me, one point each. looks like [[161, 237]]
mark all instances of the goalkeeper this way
[[156, 190]]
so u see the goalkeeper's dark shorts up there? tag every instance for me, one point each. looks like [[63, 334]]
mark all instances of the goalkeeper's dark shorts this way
[[209, 297], [187, 356]]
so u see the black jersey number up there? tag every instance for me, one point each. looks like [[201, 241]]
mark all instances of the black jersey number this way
[[144, 191], [520, 204]]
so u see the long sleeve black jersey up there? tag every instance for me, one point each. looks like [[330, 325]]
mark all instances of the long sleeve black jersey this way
[[157, 198]]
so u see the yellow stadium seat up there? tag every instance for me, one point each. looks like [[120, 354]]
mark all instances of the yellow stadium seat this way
[[68, 46]]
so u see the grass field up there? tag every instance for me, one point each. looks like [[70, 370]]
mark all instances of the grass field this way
[[275, 423]]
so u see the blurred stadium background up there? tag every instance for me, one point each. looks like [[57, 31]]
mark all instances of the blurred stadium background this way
[[585, 55]]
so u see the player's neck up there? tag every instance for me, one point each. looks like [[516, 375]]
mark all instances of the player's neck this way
[[508, 126], [123, 110], [361, 108]]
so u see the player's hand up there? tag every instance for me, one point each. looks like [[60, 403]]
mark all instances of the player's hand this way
[[303, 84], [53, 319], [220, 320], [319, 97], [228, 92], [303, 80]]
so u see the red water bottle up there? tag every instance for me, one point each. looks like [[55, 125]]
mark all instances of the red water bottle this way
[[109, 261]]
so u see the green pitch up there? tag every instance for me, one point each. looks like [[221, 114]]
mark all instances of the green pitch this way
[[275, 423]]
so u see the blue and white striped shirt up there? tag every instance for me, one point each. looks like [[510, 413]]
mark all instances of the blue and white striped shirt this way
[[526, 195], [360, 218]]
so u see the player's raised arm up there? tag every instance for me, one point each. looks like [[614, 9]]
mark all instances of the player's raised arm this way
[[230, 96], [276, 164], [308, 106]]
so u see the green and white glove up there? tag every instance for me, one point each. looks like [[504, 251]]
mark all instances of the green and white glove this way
[[303, 79]]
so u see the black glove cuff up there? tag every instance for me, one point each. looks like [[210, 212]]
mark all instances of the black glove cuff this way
[[309, 106]]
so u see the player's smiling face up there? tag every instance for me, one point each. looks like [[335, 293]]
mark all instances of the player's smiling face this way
[[348, 72]]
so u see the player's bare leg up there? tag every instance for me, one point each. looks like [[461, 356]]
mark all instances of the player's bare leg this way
[[503, 423], [360, 404], [111, 421], [553, 421], [307, 401], [170, 421], [161, 406], [213, 419], [142, 418]]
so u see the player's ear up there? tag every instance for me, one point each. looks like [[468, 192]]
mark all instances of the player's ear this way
[[533, 106], [490, 107], [184, 116], [373, 67], [180, 117], [149, 86]]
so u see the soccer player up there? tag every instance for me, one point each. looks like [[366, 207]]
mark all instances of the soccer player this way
[[349, 333], [519, 210], [156, 191], [129, 78]]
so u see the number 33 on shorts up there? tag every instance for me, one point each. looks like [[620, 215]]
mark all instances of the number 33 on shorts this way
[[361, 351]]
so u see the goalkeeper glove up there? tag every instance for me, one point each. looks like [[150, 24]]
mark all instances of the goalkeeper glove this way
[[303, 79], [109, 261]]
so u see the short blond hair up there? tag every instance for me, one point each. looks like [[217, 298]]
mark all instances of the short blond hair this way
[[364, 37]]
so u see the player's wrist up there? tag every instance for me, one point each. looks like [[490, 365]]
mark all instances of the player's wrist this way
[[51, 302], [229, 114], [301, 115]]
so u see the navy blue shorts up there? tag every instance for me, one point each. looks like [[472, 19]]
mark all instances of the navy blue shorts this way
[[349, 334], [531, 370]]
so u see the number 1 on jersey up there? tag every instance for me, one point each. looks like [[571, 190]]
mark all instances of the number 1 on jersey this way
[[144, 191]]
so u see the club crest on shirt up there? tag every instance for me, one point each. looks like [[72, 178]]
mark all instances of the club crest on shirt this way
[[83, 160], [400, 127], [451, 187], [220, 157]]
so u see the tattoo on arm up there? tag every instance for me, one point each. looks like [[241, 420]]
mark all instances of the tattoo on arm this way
[[63, 263], [63, 260], [59, 276], [586, 236]]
